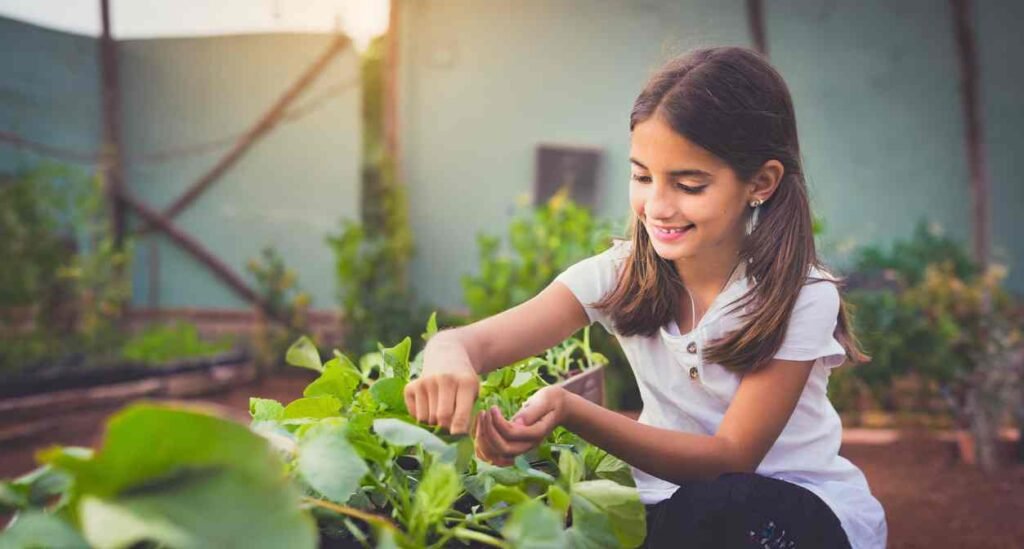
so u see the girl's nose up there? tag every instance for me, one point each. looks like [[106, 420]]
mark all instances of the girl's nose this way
[[659, 203]]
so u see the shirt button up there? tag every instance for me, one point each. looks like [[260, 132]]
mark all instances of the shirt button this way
[[692, 348], [693, 373]]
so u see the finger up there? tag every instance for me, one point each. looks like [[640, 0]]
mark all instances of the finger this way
[[409, 393], [514, 446], [531, 412], [464, 400], [517, 432], [432, 387], [494, 448], [445, 401], [483, 440], [503, 447], [422, 402]]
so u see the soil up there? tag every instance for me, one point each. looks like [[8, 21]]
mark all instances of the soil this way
[[931, 499]]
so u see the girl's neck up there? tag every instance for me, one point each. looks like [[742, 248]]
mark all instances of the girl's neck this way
[[704, 277]]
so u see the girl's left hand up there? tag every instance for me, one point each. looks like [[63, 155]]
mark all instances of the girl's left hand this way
[[499, 441]]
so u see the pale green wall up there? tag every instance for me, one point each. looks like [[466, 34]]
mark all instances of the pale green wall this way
[[875, 85], [49, 90], [482, 83], [290, 189]]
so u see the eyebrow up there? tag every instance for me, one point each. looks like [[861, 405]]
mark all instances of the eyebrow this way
[[677, 173]]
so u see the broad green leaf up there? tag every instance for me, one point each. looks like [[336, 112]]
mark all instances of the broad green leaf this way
[[265, 409], [435, 494], [390, 392], [149, 441], [212, 508], [558, 499], [615, 470], [370, 362], [618, 506], [570, 468], [340, 379], [478, 485], [329, 463], [531, 474], [400, 433], [369, 446], [34, 529], [312, 407], [463, 450], [533, 525], [161, 471], [590, 530], [397, 358], [303, 354], [505, 494]]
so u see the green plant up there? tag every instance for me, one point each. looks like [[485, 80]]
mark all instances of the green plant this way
[[38, 235], [162, 344], [542, 242], [372, 255], [981, 322], [891, 326], [64, 281], [287, 304], [938, 314], [371, 476]]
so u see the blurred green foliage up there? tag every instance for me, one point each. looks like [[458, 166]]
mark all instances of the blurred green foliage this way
[[542, 242], [288, 304], [162, 344], [372, 255], [63, 286], [923, 306]]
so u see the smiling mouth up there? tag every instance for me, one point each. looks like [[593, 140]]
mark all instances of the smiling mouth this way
[[671, 231]]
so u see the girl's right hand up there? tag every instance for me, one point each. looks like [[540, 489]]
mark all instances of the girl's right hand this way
[[445, 391]]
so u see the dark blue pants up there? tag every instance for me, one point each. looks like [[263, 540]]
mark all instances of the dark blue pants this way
[[743, 510]]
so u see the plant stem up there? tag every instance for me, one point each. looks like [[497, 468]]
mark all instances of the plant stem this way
[[472, 535], [352, 512]]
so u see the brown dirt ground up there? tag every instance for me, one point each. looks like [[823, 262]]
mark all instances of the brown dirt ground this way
[[931, 499]]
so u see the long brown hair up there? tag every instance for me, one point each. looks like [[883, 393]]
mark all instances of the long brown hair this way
[[733, 103]]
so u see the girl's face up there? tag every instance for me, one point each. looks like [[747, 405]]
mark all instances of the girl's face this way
[[690, 202]]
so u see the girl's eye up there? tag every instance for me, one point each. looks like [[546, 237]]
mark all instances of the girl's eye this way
[[685, 188]]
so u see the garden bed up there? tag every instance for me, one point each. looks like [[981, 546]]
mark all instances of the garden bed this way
[[74, 374]]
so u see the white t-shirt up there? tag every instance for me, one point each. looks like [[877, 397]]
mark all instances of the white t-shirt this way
[[807, 451]]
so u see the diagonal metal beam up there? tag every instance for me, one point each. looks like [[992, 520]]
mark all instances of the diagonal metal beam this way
[[185, 241], [258, 130]]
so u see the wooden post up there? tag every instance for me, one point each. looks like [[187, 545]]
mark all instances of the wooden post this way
[[973, 141], [110, 155], [391, 87], [755, 20]]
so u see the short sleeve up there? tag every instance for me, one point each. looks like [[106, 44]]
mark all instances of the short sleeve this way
[[594, 277], [812, 325]]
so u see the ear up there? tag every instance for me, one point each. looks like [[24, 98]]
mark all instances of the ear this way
[[766, 180]]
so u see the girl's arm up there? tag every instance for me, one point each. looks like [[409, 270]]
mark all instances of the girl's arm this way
[[453, 359], [759, 411]]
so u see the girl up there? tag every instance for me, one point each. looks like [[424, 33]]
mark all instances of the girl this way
[[730, 324]]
